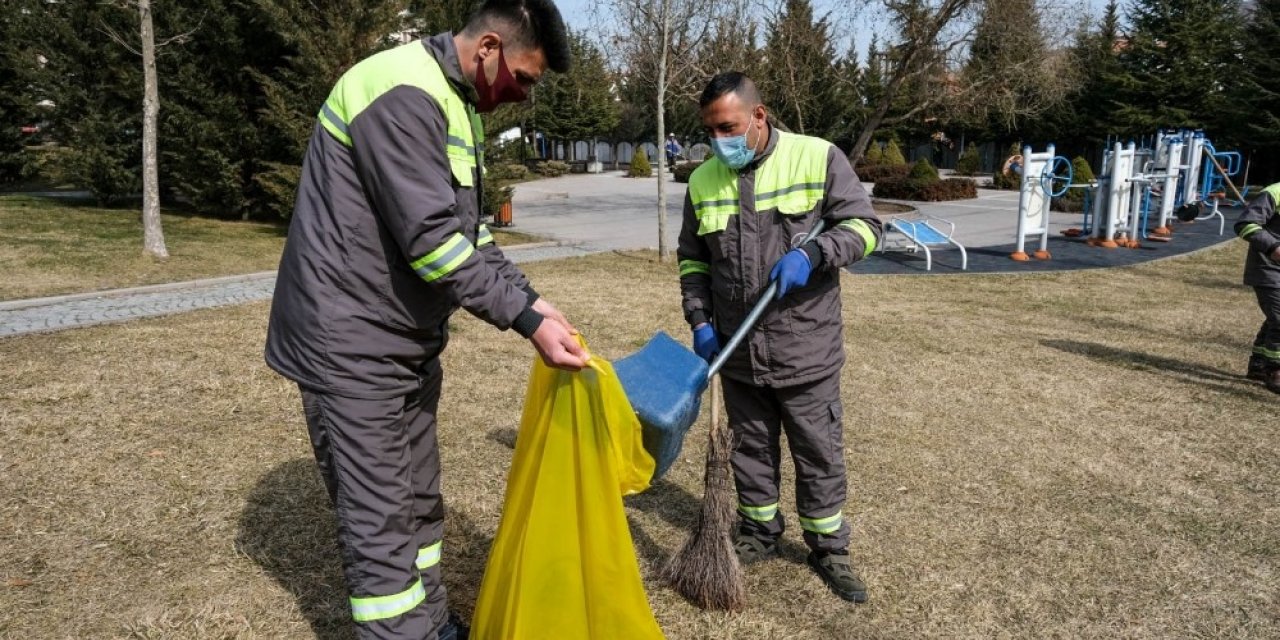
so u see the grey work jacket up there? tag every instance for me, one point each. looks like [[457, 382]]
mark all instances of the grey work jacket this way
[[350, 316], [798, 339], [1259, 225]]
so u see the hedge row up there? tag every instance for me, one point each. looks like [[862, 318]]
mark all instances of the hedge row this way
[[878, 172], [949, 189]]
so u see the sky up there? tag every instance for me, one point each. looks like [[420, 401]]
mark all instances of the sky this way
[[580, 14]]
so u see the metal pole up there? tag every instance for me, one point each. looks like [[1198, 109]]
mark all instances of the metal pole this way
[[756, 312]]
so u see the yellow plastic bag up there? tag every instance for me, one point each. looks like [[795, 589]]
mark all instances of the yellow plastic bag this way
[[562, 566]]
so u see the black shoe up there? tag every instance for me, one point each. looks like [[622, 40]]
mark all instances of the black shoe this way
[[454, 629], [751, 549], [1257, 369], [1272, 379], [835, 571]]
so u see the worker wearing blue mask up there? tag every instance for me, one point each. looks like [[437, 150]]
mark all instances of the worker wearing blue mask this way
[[745, 215]]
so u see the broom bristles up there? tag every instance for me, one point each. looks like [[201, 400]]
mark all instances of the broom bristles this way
[[706, 569]]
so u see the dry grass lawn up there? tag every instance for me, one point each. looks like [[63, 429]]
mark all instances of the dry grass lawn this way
[[1055, 456]]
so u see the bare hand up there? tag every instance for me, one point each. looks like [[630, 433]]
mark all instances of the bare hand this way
[[1275, 255], [549, 310], [559, 348]]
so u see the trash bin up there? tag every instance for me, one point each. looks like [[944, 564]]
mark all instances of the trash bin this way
[[503, 217]]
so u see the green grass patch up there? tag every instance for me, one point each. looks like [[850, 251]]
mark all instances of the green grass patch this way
[[50, 247]]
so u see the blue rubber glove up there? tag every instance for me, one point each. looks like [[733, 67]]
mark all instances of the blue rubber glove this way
[[705, 342], [791, 271]]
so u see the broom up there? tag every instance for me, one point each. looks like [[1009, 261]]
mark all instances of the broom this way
[[706, 569]]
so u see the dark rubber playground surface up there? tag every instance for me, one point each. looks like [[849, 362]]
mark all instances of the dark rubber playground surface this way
[[1067, 253]]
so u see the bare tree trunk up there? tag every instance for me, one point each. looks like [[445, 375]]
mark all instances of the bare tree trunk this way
[[920, 32], [868, 130], [153, 236], [664, 253]]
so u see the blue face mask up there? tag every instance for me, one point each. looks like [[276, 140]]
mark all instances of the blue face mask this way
[[735, 151]]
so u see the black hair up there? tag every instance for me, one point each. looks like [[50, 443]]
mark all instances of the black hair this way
[[525, 24], [734, 82]]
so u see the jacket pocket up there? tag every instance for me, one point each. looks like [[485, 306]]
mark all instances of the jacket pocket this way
[[799, 203], [814, 305], [795, 226]]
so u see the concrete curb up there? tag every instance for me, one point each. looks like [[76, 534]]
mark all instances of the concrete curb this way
[[153, 288]]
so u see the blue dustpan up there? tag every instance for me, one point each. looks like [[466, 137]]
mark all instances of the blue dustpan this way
[[664, 382]]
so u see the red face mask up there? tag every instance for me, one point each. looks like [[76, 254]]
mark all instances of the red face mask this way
[[504, 89]]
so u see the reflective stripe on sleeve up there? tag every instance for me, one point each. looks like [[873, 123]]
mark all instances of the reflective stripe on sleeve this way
[[688, 267], [334, 124], [445, 259], [863, 229]]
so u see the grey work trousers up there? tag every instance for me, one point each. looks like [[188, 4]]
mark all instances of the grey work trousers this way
[[812, 418], [381, 464], [1266, 345]]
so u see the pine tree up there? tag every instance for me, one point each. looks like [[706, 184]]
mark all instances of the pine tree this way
[[1011, 74], [801, 82], [1261, 87], [893, 155], [96, 86], [970, 163], [17, 104], [1088, 114], [1182, 58], [640, 167], [429, 17], [211, 143], [850, 97], [577, 105], [321, 39]]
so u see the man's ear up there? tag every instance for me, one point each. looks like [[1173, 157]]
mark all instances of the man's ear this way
[[488, 44]]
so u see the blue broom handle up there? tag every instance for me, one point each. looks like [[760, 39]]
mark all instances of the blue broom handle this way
[[756, 312]]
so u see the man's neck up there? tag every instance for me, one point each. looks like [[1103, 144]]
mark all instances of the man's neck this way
[[466, 55]]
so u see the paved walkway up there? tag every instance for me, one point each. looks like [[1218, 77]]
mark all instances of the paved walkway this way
[[39, 315]]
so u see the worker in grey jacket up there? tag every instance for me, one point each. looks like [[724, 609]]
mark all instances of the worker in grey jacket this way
[[746, 211], [1260, 226], [385, 244]]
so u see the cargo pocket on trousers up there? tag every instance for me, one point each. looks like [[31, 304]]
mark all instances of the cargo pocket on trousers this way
[[836, 429]]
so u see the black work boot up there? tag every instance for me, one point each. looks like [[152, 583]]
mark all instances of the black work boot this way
[[834, 569], [454, 629], [1257, 368], [1272, 379], [751, 549]]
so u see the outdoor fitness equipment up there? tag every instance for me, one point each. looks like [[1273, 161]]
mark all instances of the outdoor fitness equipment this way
[[1169, 179], [1169, 170], [1201, 184], [1045, 176], [1117, 205]]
